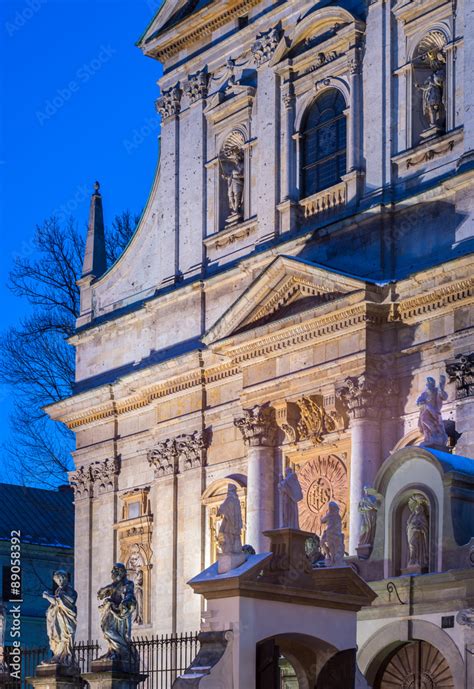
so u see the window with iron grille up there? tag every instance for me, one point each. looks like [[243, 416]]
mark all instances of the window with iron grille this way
[[323, 143]]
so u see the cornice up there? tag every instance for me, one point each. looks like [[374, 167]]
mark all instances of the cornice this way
[[412, 308], [194, 28]]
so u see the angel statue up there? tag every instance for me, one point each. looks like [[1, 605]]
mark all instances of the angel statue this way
[[290, 495], [368, 507], [332, 540], [430, 421], [118, 603], [61, 619]]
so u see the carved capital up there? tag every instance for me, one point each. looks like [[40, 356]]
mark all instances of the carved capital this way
[[258, 426], [169, 103], [461, 371], [196, 86], [363, 396], [265, 46], [466, 617], [163, 458], [189, 447], [81, 482], [97, 478]]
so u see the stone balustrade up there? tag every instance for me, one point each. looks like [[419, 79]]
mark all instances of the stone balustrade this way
[[324, 201]]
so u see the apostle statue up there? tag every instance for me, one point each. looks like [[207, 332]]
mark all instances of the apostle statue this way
[[235, 181], [61, 619], [290, 496], [430, 421], [230, 530], [117, 605], [418, 532], [432, 90], [332, 540], [368, 507]]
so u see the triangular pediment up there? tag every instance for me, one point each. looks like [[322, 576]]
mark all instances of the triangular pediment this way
[[285, 288], [170, 13]]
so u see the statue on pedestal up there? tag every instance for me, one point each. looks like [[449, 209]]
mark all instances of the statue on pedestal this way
[[430, 421], [61, 619], [118, 603], [368, 508], [230, 532], [418, 532], [332, 540], [290, 496]]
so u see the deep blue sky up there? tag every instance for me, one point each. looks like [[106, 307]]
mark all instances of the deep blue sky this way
[[77, 104]]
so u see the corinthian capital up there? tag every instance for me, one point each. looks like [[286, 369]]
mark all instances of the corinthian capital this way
[[362, 396], [169, 103], [81, 482], [163, 458], [196, 86], [265, 46], [258, 426]]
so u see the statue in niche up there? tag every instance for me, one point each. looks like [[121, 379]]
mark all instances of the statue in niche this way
[[118, 603], [432, 90], [135, 566], [430, 421], [61, 619], [231, 161], [290, 495], [332, 540], [230, 529], [418, 532], [368, 508]]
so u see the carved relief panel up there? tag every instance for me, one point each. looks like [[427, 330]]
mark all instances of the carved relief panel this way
[[134, 534], [323, 478]]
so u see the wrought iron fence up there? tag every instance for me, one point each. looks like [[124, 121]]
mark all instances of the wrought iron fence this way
[[162, 659]]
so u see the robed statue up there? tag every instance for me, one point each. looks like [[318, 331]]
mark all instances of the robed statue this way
[[230, 530], [290, 496], [368, 508], [332, 540], [418, 532], [430, 421], [116, 607], [61, 619]]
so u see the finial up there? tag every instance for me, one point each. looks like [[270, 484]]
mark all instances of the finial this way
[[96, 188]]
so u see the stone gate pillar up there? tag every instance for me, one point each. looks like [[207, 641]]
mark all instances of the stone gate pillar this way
[[259, 431], [363, 398]]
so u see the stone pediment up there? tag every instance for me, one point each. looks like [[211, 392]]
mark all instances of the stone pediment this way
[[286, 288]]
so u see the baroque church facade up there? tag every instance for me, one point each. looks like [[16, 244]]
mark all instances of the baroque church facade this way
[[302, 266]]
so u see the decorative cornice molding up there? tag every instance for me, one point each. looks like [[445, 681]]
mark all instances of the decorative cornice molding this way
[[265, 45], [414, 307], [96, 478], [169, 103], [165, 456], [258, 426], [461, 371]]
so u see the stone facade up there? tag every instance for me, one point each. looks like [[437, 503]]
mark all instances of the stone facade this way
[[249, 326]]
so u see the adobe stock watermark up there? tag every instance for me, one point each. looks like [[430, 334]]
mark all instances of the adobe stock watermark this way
[[14, 605], [139, 134], [82, 75], [23, 16]]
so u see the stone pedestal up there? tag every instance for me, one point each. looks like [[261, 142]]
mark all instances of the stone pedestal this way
[[364, 551], [113, 674], [414, 569], [227, 562], [55, 676]]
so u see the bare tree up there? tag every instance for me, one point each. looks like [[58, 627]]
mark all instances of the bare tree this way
[[36, 361]]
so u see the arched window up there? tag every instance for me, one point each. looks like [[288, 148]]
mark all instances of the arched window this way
[[323, 143]]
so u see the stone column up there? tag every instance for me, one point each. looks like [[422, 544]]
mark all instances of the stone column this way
[[461, 372], [465, 78], [259, 431], [287, 206], [363, 399]]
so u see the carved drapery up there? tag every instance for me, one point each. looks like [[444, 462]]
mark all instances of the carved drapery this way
[[461, 371], [169, 103], [96, 478], [187, 448], [308, 418], [323, 479], [212, 500], [265, 46], [258, 426], [134, 546]]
